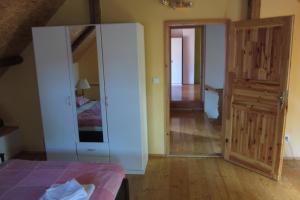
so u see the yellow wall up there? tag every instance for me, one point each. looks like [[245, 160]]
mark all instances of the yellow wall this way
[[272, 8], [18, 88], [88, 68], [19, 104], [152, 15]]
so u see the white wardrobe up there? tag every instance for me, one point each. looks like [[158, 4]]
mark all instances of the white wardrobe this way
[[121, 66]]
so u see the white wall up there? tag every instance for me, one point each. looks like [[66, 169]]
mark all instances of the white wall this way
[[188, 35], [176, 60], [214, 66], [188, 55]]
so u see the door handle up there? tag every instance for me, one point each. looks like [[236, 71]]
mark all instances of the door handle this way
[[283, 99]]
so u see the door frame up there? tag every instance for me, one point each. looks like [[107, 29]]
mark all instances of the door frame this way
[[181, 58], [171, 24]]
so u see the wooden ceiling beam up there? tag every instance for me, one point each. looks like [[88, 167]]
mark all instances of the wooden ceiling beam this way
[[94, 6], [254, 9], [88, 30], [10, 61]]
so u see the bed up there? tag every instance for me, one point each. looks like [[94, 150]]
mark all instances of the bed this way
[[90, 122], [20, 179]]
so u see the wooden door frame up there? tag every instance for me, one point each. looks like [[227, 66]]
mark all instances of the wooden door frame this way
[[168, 25]]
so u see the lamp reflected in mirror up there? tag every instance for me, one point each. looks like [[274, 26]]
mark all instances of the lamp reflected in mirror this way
[[82, 85]]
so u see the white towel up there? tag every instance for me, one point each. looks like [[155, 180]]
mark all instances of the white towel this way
[[71, 190]]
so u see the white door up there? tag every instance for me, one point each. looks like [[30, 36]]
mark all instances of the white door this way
[[56, 92], [121, 74], [176, 61]]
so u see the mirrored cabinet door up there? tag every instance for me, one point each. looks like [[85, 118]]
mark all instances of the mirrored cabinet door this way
[[87, 83]]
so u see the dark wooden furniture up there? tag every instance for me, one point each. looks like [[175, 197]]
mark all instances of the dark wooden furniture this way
[[123, 193], [2, 157]]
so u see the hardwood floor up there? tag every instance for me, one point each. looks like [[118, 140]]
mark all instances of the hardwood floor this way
[[185, 92], [193, 134], [171, 178], [211, 179]]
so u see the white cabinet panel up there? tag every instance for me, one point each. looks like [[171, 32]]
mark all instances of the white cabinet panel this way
[[121, 62], [54, 84], [93, 149], [123, 96], [142, 95]]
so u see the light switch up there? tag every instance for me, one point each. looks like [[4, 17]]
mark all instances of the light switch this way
[[155, 80]]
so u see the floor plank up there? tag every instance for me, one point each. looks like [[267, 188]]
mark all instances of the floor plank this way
[[212, 179], [173, 178], [193, 134]]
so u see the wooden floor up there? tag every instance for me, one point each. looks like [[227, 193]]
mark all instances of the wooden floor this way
[[211, 179], [185, 92], [193, 134], [171, 178]]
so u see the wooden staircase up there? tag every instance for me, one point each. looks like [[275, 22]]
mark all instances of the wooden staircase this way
[[187, 105]]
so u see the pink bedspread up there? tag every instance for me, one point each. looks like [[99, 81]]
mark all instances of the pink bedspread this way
[[28, 180], [91, 117]]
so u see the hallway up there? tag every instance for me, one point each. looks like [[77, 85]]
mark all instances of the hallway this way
[[193, 134], [186, 97], [185, 92]]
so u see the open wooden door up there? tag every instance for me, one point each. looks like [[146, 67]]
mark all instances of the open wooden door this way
[[256, 93]]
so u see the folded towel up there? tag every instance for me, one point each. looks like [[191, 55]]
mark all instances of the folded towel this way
[[71, 190]]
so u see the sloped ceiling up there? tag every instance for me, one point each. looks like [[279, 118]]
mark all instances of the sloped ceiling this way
[[75, 33], [16, 19]]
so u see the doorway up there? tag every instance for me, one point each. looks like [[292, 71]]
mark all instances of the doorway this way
[[258, 58], [197, 73]]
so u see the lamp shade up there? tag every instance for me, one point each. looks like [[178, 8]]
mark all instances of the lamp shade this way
[[83, 84]]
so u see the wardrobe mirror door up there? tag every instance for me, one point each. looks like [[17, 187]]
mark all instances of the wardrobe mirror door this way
[[86, 83]]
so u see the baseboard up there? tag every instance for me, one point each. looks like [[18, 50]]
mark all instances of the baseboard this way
[[135, 172], [291, 158], [31, 155], [157, 156], [213, 155]]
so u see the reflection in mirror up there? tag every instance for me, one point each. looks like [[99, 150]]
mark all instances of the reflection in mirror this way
[[86, 79]]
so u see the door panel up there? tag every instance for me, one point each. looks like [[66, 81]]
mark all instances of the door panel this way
[[257, 80], [176, 61], [122, 93], [55, 92]]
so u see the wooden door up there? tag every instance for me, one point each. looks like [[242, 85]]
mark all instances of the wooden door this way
[[256, 92]]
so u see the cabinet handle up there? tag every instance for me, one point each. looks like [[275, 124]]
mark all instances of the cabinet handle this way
[[106, 101], [91, 150], [69, 100]]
